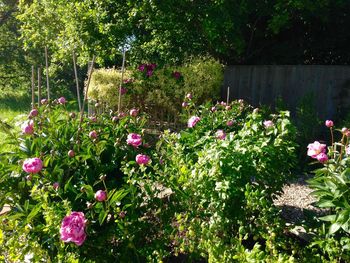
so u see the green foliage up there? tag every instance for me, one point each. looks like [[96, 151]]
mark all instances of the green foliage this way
[[331, 187], [160, 31], [37, 208]]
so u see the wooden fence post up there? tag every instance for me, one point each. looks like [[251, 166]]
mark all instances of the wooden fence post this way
[[39, 86], [33, 87], [47, 74]]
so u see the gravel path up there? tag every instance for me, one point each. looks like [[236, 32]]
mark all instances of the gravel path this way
[[296, 201]]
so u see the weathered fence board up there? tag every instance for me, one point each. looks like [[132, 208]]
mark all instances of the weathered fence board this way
[[330, 86]]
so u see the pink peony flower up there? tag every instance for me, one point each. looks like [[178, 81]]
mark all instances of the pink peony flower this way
[[62, 100], [123, 90], [176, 74], [71, 153], [329, 123], [142, 67], [315, 149], [73, 228], [32, 165], [193, 121], [44, 101], [55, 186], [121, 115], [101, 196], [189, 96], [220, 134], [322, 157], [27, 128], [93, 134], [230, 123], [93, 118], [149, 73], [347, 150], [142, 159], [268, 124], [134, 139], [184, 104], [33, 113], [134, 112], [126, 81]]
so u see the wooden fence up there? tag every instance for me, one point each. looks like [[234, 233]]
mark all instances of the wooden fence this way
[[329, 86]]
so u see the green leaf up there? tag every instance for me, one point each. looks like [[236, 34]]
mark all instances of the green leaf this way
[[117, 196], [102, 216], [327, 203], [34, 212], [334, 228], [329, 218]]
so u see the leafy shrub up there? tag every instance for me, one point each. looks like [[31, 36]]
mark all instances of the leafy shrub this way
[[213, 178], [155, 89]]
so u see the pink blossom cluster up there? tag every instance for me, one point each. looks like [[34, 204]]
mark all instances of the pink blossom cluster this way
[[73, 228]]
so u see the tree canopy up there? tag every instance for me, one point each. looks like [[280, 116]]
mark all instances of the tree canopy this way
[[235, 31]]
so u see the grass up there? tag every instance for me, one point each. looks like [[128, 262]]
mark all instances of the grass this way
[[12, 104]]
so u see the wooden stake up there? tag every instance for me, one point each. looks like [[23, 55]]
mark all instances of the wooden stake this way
[[33, 87], [121, 82], [39, 86], [85, 95], [228, 95], [47, 74], [76, 80]]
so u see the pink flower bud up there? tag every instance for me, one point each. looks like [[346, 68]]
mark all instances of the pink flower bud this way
[[123, 90], [27, 128], [134, 112], [329, 123], [62, 100], [220, 134], [93, 134], [268, 124], [193, 121], [93, 118], [184, 104], [33, 113], [134, 139], [121, 115], [229, 123], [322, 157], [189, 96], [44, 101], [213, 109], [142, 159], [55, 186], [228, 107], [114, 118], [223, 103], [71, 153], [100, 196], [32, 165], [344, 130]]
